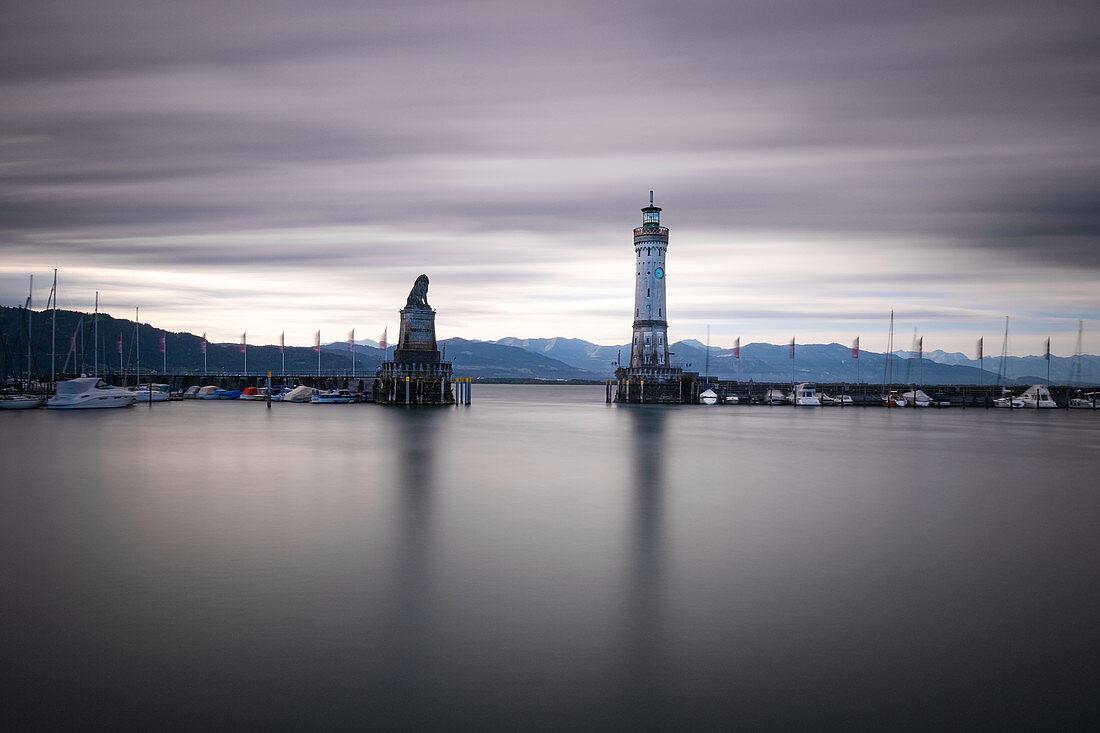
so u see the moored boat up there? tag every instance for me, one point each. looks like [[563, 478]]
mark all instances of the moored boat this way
[[1038, 396], [191, 392], [708, 397], [299, 394], [209, 392], [894, 399], [332, 397], [88, 393], [775, 397], [252, 393], [917, 398], [804, 395], [1086, 401], [227, 394], [152, 393], [20, 401], [1007, 399]]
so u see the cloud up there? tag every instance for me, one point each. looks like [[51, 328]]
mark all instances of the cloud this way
[[507, 146]]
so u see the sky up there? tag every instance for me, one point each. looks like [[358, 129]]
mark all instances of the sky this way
[[268, 167]]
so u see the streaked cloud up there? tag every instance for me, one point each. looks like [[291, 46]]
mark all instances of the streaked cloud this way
[[271, 166]]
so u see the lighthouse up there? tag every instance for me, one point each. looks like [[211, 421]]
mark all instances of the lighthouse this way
[[650, 377], [650, 345]]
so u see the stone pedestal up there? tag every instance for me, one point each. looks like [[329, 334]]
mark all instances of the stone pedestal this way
[[655, 385], [417, 375]]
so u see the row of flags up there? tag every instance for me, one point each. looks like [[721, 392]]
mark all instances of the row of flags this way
[[244, 341]]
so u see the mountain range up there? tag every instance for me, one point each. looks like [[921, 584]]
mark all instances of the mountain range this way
[[552, 359]]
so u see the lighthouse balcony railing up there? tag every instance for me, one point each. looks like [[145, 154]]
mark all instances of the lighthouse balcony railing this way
[[658, 231]]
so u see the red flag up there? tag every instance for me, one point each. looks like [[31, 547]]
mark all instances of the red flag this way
[[855, 348], [737, 348], [72, 343], [243, 335], [382, 341], [202, 343], [792, 347], [161, 342], [351, 340], [1047, 357], [317, 342], [118, 343]]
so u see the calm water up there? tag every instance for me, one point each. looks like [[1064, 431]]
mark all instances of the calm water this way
[[543, 560]]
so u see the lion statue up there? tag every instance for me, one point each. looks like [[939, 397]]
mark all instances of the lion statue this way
[[418, 296]]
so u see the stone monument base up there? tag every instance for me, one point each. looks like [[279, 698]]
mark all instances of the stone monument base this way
[[415, 383]]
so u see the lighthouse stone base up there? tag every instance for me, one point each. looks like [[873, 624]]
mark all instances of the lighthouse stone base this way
[[656, 385]]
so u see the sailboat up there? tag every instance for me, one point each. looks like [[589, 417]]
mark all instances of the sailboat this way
[[890, 398]]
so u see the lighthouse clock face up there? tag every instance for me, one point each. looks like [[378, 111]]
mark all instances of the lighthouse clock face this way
[[659, 272]]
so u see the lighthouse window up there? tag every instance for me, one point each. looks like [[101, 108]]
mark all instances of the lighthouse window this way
[[658, 312], [647, 340], [647, 292]]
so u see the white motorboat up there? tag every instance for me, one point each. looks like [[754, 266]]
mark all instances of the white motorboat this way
[[209, 392], [731, 399], [332, 397], [1038, 396], [708, 397], [88, 393], [804, 395], [1086, 401], [191, 392], [278, 392], [152, 393], [20, 401], [1007, 399]]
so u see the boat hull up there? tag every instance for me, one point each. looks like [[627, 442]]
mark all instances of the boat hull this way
[[21, 403], [94, 402]]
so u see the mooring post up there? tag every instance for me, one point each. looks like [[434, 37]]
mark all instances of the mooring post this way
[[269, 389], [406, 390]]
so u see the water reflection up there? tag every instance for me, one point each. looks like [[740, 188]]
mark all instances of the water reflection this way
[[413, 433], [644, 624]]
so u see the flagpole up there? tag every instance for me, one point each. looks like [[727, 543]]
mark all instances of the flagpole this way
[[164, 353], [137, 350], [282, 352]]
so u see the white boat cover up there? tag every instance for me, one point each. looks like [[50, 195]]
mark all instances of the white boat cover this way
[[208, 389], [299, 394], [917, 396], [708, 393], [77, 386]]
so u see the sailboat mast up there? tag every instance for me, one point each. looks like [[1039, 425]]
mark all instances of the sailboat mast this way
[[95, 337], [706, 367], [137, 349], [53, 334], [1002, 374], [30, 296]]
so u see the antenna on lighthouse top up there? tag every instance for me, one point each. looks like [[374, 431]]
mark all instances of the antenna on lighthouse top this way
[[651, 198]]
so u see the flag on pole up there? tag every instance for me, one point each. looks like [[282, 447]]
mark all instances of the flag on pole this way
[[351, 340], [980, 349], [382, 341], [792, 347], [737, 348], [317, 342], [72, 343], [920, 348], [243, 335], [162, 334], [1047, 357], [282, 340], [202, 343], [855, 348], [118, 343]]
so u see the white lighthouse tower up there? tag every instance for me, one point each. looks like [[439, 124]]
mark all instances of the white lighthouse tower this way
[[650, 377], [649, 348]]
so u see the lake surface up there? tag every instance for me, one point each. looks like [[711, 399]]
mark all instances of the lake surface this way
[[543, 560]]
